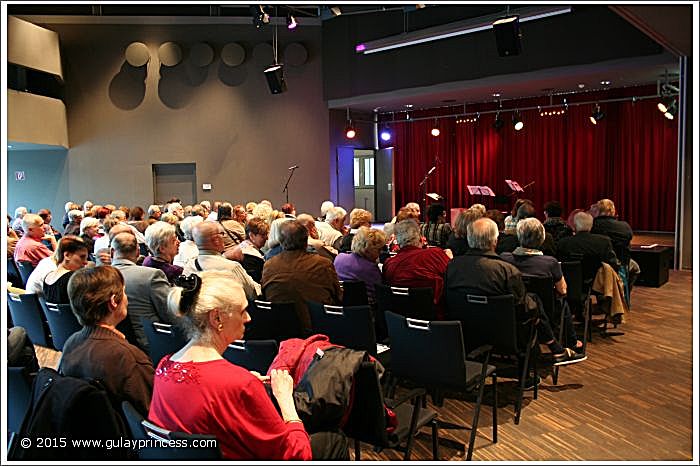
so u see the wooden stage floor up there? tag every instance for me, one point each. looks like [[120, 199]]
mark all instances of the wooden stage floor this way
[[631, 400]]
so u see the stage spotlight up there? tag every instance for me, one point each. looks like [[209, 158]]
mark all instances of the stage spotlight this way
[[385, 135], [350, 131], [435, 132], [671, 110], [597, 115], [665, 103], [260, 18], [517, 121], [498, 122], [291, 21]]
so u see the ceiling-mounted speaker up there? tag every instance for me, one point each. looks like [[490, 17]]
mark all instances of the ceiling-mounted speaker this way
[[275, 79], [507, 32]]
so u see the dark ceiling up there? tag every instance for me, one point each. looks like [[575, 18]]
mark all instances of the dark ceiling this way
[[668, 25]]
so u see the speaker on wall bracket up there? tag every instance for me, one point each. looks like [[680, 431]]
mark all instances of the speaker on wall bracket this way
[[275, 79], [507, 31]]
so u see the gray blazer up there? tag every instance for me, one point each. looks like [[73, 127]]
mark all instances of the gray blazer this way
[[147, 290]]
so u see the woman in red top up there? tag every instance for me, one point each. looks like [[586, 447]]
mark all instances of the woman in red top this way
[[197, 391]]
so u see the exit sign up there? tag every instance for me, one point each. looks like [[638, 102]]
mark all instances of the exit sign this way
[[19, 176]]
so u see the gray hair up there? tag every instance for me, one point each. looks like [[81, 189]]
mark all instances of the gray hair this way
[[335, 213], [153, 208], [188, 224], [125, 245], [326, 206], [530, 233], [88, 222], [273, 238], [174, 206], [74, 214], [463, 220], [481, 208], [158, 234], [29, 221], [118, 215], [367, 239], [583, 221], [482, 233], [407, 233], [219, 290]]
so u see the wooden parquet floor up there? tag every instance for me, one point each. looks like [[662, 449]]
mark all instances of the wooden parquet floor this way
[[631, 400]]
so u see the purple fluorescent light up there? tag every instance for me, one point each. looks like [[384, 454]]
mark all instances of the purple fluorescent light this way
[[360, 48]]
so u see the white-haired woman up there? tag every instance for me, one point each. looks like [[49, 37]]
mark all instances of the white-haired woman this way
[[162, 240], [361, 264], [273, 245], [188, 249], [197, 391], [89, 231]]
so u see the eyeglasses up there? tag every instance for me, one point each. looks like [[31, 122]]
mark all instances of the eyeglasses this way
[[221, 233]]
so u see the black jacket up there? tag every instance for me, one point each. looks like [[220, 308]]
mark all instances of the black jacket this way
[[619, 232], [588, 244]]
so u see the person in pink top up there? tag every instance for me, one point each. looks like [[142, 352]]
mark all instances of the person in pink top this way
[[197, 391], [29, 247]]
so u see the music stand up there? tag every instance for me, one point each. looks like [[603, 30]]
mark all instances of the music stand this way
[[481, 191]]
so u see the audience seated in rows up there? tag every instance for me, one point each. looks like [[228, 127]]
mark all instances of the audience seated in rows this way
[[436, 230], [483, 272], [197, 391], [414, 266], [71, 255], [146, 287], [361, 263], [508, 240], [528, 258], [100, 351], [295, 275], [587, 244], [163, 244], [30, 247], [209, 238]]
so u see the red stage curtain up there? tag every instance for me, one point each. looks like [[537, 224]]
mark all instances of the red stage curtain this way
[[630, 157]]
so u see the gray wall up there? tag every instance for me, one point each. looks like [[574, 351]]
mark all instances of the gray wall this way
[[46, 185], [121, 119]]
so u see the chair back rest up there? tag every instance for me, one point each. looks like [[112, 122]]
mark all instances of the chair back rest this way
[[62, 322], [254, 355], [26, 312], [352, 327], [430, 353], [19, 390], [272, 321], [544, 288], [162, 339], [367, 419], [416, 303], [354, 293], [25, 270], [589, 268], [208, 444], [13, 274], [573, 275], [486, 320]]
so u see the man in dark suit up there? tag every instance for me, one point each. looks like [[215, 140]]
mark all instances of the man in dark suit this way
[[147, 289], [585, 243]]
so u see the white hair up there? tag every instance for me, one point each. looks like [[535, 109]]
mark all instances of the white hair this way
[[273, 239], [335, 213], [118, 215], [188, 224], [326, 206], [20, 212], [88, 222], [29, 221], [73, 214], [157, 234]]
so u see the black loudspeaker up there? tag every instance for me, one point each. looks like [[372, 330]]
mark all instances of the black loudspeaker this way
[[653, 264], [507, 32], [275, 79]]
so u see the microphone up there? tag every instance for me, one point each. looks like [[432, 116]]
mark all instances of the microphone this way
[[293, 167], [432, 170]]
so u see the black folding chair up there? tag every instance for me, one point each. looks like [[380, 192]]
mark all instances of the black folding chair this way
[[62, 322], [367, 421], [272, 321], [431, 355], [162, 339], [26, 312], [254, 355], [25, 270], [495, 321], [352, 327], [354, 293], [416, 303]]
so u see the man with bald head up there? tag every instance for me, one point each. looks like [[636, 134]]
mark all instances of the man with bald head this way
[[315, 244], [146, 288], [209, 238]]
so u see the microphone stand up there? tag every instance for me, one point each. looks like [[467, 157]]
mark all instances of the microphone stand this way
[[424, 188], [286, 185]]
